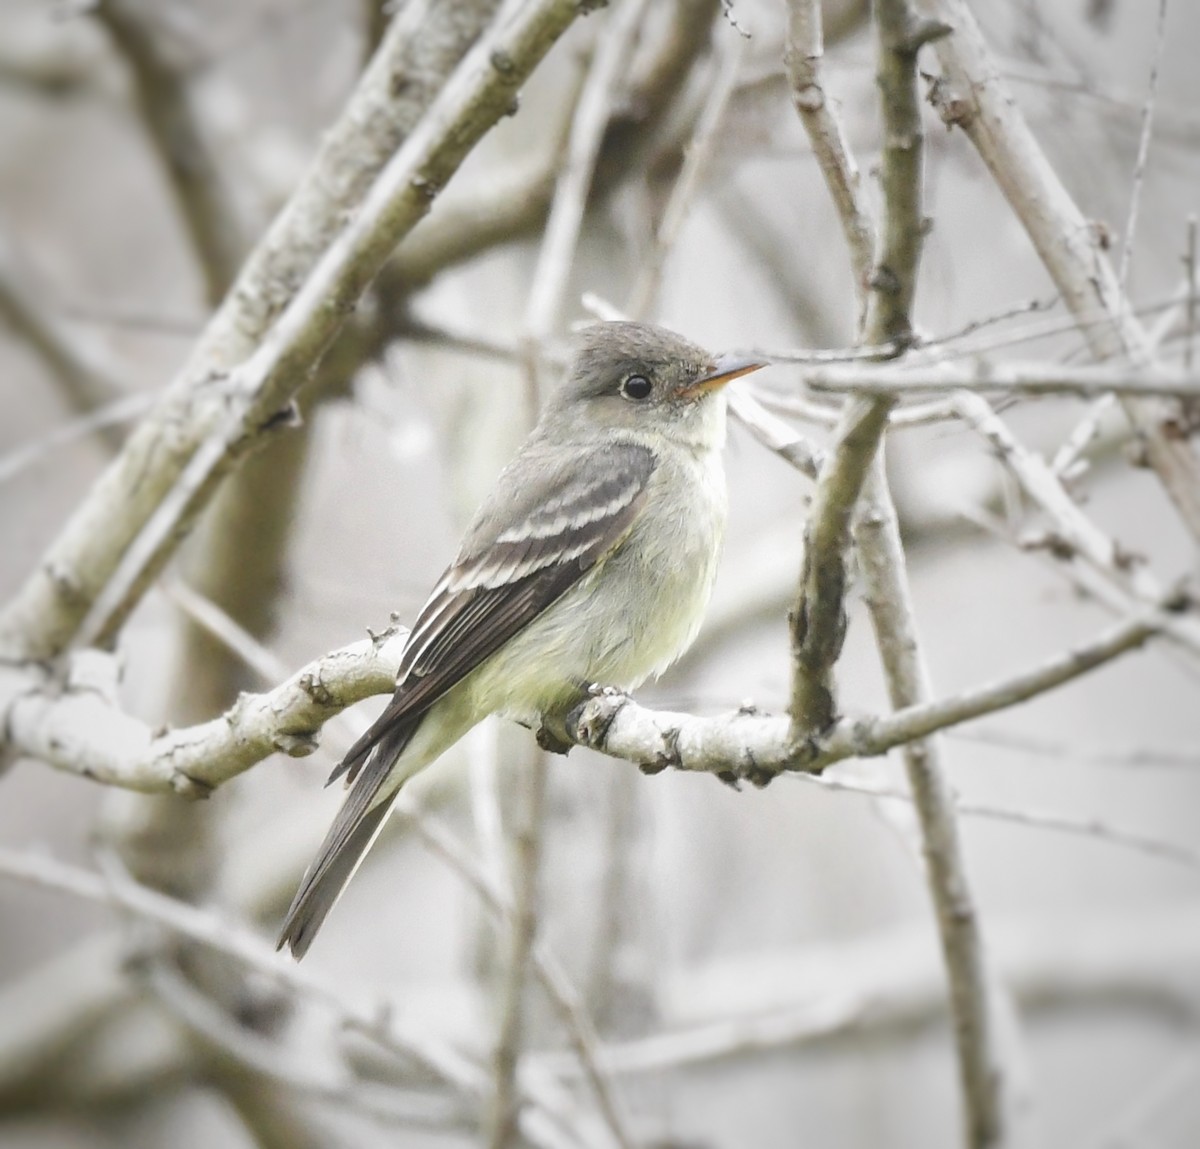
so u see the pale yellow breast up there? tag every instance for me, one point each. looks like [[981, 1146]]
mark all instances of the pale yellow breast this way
[[631, 616]]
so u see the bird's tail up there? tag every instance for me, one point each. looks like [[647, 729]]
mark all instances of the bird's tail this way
[[355, 828]]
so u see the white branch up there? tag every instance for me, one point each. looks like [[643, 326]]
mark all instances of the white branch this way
[[1023, 378], [201, 427]]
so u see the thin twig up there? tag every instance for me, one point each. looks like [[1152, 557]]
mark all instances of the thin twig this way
[[1009, 378], [1072, 533], [1087, 827], [104, 418], [697, 158], [87, 384], [892, 982], [557, 253], [1190, 263], [773, 433], [1136, 757], [164, 100], [207, 928], [294, 1068], [375, 1021], [546, 966], [1143, 152]]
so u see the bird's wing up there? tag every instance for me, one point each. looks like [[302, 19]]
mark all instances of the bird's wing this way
[[516, 560]]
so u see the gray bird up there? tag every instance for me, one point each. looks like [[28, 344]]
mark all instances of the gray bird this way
[[591, 561]]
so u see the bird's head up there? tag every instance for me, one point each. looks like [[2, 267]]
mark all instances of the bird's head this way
[[636, 377]]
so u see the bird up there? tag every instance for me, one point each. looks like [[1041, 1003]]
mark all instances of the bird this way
[[590, 563]]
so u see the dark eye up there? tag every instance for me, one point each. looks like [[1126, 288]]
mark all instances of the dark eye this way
[[636, 387]]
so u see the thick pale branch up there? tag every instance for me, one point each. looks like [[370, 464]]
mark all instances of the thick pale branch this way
[[754, 747], [52, 606], [81, 730]]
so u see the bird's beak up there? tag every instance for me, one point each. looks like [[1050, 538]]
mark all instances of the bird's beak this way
[[725, 369]]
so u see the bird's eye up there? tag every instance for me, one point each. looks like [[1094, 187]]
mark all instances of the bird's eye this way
[[636, 387]]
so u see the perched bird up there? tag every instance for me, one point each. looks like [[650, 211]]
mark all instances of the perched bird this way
[[591, 562]]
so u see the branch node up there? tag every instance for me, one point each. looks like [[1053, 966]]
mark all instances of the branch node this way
[[809, 98], [186, 786], [920, 30], [424, 187], [590, 721], [885, 280], [552, 741], [296, 743], [954, 109], [286, 418], [312, 685], [94, 672], [503, 63]]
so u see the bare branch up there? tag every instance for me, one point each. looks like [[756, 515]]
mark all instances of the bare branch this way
[[753, 747], [501, 1124], [698, 154], [79, 730], [818, 618], [1098, 829], [802, 55], [375, 1021], [972, 96], [82, 732], [1012, 377], [976, 998], [1072, 533], [774, 434], [208, 929], [54, 602], [1143, 152], [596, 100]]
